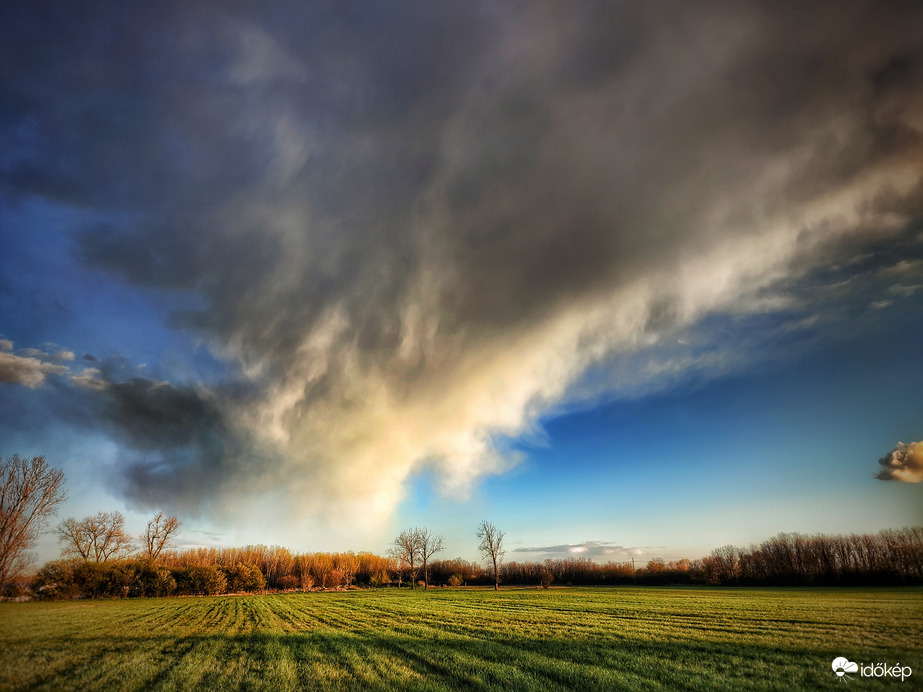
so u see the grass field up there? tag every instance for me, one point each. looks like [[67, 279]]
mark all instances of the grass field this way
[[571, 638]]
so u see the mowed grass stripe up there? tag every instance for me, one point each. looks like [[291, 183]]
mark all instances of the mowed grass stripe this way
[[490, 618], [622, 638]]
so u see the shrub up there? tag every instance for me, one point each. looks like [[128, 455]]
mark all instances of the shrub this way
[[242, 577], [207, 580], [56, 581], [163, 582], [92, 579], [152, 580], [123, 577], [379, 578], [15, 588]]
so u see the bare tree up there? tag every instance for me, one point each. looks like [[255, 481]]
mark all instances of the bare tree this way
[[427, 545], [30, 492], [159, 531], [491, 549], [406, 551], [348, 565], [98, 538]]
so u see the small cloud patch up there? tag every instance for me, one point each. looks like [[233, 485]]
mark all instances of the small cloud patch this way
[[26, 370], [903, 463]]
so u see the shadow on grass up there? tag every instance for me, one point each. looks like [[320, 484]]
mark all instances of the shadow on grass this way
[[374, 659]]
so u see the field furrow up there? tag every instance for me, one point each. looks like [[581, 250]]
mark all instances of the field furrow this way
[[443, 639]]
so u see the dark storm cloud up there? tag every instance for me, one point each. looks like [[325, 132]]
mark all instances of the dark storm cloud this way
[[177, 442], [175, 439], [156, 414], [416, 225], [181, 438]]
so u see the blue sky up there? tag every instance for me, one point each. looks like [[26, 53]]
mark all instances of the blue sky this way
[[312, 276]]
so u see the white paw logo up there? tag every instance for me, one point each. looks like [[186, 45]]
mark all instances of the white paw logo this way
[[841, 666]]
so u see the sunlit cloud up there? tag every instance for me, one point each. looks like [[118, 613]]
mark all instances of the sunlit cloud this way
[[903, 463], [29, 369]]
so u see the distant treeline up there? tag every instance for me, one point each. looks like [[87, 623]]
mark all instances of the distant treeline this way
[[892, 557]]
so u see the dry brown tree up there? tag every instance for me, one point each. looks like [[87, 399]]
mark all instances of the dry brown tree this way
[[406, 552], [30, 492], [427, 545], [157, 536], [97, 538], [491, 549]]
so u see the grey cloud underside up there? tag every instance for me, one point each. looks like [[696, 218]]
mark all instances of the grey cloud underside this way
[[177, 445], [181, 443], [378, 200], [533, 210], [175, 439], [594, 550]]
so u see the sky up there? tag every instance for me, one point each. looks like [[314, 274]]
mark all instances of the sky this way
[[626, 279]]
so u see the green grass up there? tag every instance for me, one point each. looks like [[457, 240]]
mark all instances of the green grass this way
[[573, 638]]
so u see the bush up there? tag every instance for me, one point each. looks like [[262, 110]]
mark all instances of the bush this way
[[379, 578], [242, 577], [66, 579], [56, 581], [455, 581], [196, 581], [122, 579], [153, 580], [92, 579], [15, 588]]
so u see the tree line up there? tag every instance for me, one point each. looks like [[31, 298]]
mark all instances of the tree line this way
[[891, 557], [100, 559]]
